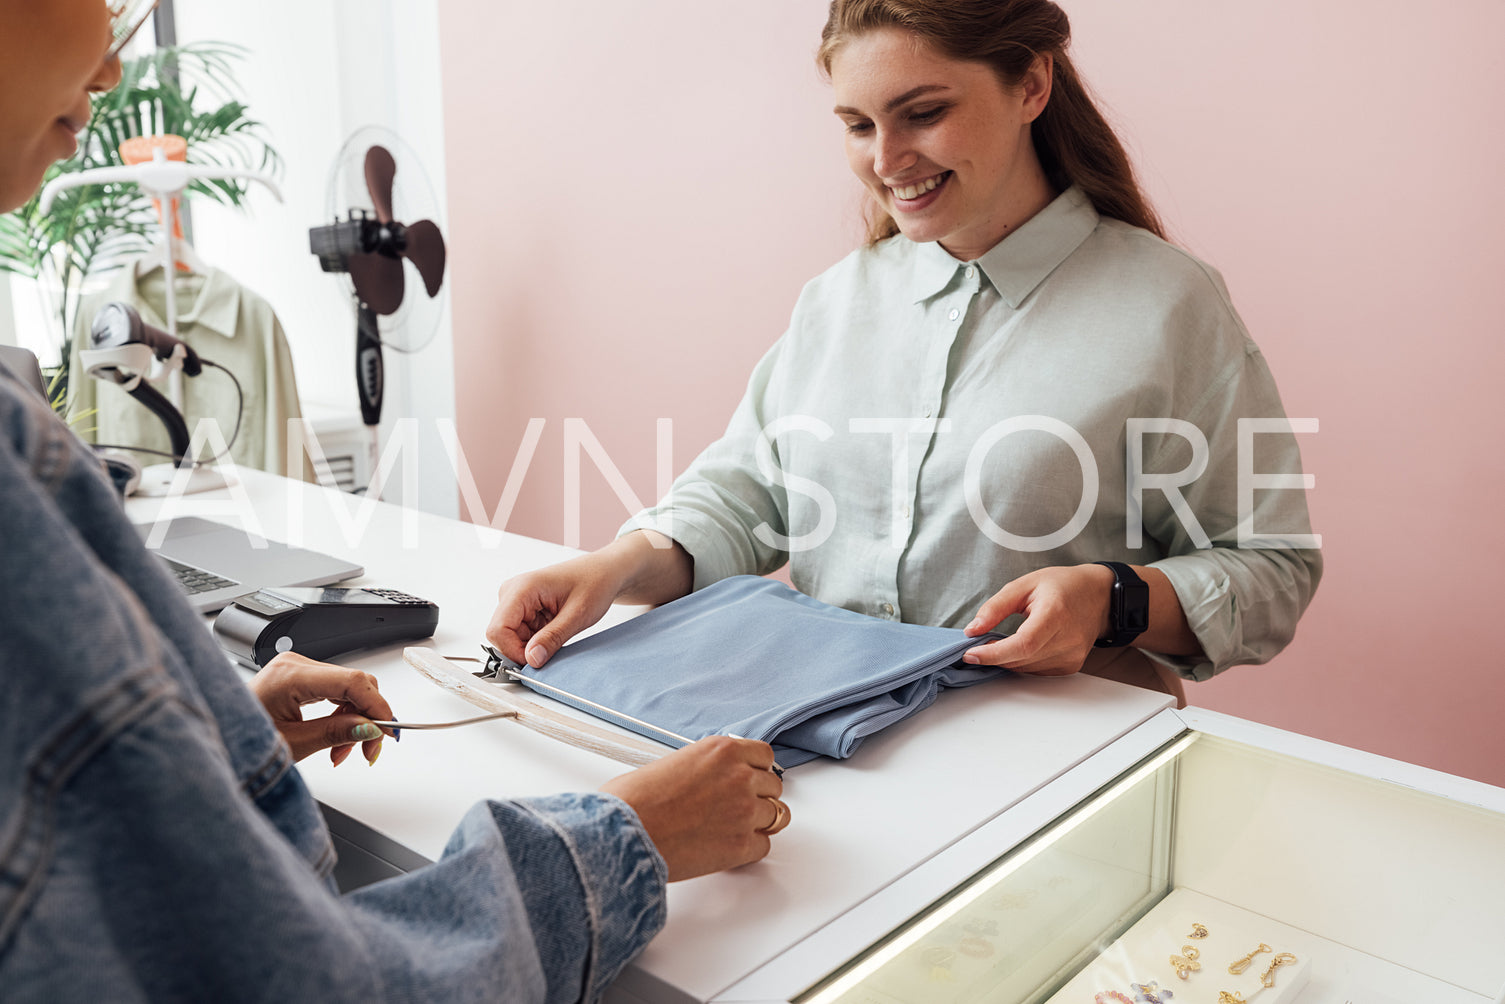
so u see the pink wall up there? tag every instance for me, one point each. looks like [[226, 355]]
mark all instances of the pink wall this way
[[641, 193], [638, 192]]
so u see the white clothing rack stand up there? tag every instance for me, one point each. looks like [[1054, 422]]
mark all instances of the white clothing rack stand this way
[[165, 180]]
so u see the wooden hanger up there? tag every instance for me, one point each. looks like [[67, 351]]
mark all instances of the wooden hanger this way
[[507, 697]]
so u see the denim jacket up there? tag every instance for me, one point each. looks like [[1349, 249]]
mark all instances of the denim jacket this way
[[157, 844]]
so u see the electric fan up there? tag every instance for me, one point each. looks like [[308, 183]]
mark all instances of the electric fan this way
[[379, 183]]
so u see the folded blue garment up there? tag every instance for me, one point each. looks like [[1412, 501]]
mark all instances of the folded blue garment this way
[[749, 656]]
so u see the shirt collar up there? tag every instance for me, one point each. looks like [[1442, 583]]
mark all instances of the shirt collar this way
[[1022, 260], [933, 270], [215, 308]]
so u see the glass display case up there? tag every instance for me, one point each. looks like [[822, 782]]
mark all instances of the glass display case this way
[[1231, 864]]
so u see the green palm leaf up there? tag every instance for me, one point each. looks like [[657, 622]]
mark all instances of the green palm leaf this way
[[187, 90]]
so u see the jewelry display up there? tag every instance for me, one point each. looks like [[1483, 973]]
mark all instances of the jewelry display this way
[[1234, 968], [1013, 900], [981, 928], [1283, 959], [970, 940], [940, 959], [1150, 993], [1186, 963], [975, 947], [1203, 936]]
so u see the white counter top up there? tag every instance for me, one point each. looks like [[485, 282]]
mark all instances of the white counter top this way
[[858, 825]]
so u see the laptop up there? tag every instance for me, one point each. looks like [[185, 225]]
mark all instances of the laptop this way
[[23, 366], [216, 563]]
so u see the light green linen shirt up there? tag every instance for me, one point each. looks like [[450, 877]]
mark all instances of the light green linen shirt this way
[[925, 430], [223, 321]]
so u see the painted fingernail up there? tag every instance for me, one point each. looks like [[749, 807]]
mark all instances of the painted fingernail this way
[[396, 733], [371, 760], [364, 731]]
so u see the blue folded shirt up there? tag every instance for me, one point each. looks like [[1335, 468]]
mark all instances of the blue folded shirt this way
[[749, 656]]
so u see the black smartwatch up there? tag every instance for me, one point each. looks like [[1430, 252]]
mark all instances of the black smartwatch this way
[[1128, 606]]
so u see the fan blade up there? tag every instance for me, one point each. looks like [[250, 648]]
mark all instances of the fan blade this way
[[380, 170], [378, 281], [425, 249]]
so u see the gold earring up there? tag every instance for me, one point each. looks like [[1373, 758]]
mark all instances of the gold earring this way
[[1014, 900], [1197, 931], [1235, 968], [1225, 997], [1283, 959], [940, 960], [1186, 962]]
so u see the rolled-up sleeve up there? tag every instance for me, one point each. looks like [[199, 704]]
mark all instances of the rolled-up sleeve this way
[[1244, 595]]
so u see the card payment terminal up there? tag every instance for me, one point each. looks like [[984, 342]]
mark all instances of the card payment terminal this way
[[320, 622]]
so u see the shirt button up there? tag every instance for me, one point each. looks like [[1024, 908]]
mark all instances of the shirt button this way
[[927, 412], [970, 272], [954, 314], [888, 608], [905, 512]]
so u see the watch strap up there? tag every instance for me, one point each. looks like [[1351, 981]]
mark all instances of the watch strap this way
[[1128, 606]]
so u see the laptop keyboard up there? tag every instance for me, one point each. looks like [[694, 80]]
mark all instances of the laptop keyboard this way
[[196, 580]]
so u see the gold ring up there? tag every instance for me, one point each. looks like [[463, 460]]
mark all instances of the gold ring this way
[[779, 813]]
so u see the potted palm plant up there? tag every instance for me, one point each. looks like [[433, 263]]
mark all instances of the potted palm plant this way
[[187, 90]]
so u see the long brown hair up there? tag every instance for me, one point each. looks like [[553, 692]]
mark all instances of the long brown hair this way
[[1075, 144]]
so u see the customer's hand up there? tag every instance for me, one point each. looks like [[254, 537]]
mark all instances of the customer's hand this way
[[290, 681], [1065, 610], [709, 806], [537, 612]]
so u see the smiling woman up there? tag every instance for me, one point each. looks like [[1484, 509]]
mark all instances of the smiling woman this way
[[1019, 93], [1017, 407], [948, 160]]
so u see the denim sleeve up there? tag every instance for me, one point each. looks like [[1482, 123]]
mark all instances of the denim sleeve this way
[[526, 889], [156, 846]]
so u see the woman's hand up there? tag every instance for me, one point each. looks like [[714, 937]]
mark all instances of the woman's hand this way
[[709, 806], [1065, 610], [537, 612], [290, 681]]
